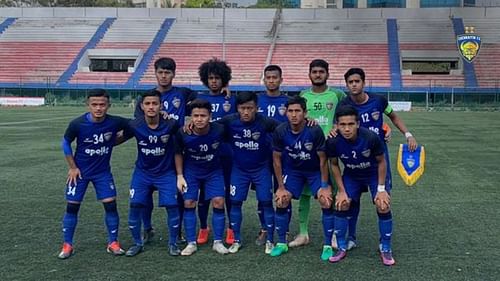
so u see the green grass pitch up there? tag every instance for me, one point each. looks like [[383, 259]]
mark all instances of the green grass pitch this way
[[447, 227]]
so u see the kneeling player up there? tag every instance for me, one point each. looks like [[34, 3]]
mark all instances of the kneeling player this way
[[154, 168], [299, 158], [198, 167], [362, 153]]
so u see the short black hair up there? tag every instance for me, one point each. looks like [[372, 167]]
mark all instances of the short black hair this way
[[319, 63], [165, 63], [346, 110], [151, 93], [297, 100], [200, 103], [273, 67], [98, 92], [217, 67], [353, 71], [243, 97]]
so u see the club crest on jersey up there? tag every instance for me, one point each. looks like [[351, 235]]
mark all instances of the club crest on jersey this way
[[308, 145], [215, 145], [282, 110], [468, 46], [176, 102], [375, 115], [329, 105], [256, 135], [366, 153], [108, 135], [164, 138], [226, 106]]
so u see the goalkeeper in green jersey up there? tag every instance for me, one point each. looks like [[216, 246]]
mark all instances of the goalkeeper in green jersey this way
[[321, 103]]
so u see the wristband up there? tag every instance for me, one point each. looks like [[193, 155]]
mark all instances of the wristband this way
[[408, 135], [324, 184], [381, 188]]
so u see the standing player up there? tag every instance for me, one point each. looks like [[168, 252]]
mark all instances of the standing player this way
[[321, 103], [154, 168], [371, 110], [362, 153], [95, 134], [271, 104], [174, 101], [215, 75], [199, 168], [299, 157], [248, 134]]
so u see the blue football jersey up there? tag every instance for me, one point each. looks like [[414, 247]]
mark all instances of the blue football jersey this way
[[299, 151], [273, 107], [174, 102], [358, 157], [249, 140], [371, 113], [201, 152], [94, 142], [221, 106], [155, 147]]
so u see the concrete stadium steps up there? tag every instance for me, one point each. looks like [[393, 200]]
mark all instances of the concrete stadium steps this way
[[123, 45], [333, 31], [428, 47], [246, 61], [101, 78], [487, 66], [431, 80], [51, 29], [426, 31], [205, 30], [488, 29], [20, 62], [108, 77], [295, 58], [132, 30]]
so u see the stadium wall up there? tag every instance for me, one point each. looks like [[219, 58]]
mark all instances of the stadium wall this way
[[290, 14]]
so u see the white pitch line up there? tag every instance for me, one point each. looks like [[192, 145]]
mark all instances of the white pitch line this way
[[33, 121]]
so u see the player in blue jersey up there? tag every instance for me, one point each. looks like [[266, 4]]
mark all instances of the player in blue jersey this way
[[198, 165], [371, 110], [174, 103], [271, 104], [362, 153], [248, 135], [95, 134], [215, 75], [299, 157], [154, 168]]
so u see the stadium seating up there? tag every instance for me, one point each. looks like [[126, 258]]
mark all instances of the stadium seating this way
[[428, 35], [191, 42], [123, 34], [336, 41], [41, 49], [488, 61]]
